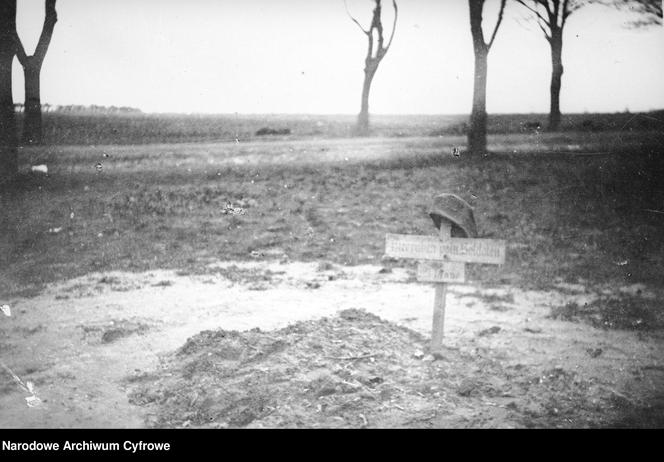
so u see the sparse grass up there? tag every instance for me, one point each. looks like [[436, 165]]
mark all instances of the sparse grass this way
[[575, 218], [622, 312]]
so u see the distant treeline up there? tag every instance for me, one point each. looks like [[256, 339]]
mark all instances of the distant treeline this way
[[81, 109], [88, 128]]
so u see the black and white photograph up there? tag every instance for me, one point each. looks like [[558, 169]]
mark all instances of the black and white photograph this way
[[330, 214]]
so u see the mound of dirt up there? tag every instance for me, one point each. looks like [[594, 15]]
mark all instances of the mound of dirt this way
[[344, 371], [353, 370]]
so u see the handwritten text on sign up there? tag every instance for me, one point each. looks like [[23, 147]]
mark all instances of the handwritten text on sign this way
[[453, 249], [441, 271]]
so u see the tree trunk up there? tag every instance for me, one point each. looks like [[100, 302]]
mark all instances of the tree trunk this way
[[363, 116], [32, 121], [556, 78], [32, 126], [478, 119], [373, 58], [8, 141]]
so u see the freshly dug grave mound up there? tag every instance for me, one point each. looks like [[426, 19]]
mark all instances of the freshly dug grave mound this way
[[353, 370]]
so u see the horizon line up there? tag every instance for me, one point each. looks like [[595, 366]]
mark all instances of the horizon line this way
[[341, 114]]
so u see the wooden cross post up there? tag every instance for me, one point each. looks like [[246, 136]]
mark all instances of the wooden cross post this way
[[438, 327], [443, 258]]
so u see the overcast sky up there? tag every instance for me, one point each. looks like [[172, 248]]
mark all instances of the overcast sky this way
[[306, 56]]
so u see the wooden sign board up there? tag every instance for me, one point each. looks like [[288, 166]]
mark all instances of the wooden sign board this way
[[441, 271], [453, 249]]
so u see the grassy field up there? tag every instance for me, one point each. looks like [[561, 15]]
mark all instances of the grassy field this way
[[91, 129], [574, 207]]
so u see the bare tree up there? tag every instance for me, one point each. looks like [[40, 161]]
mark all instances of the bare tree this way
[[376, 51], [649, 11], [478, 117], [8, 151], [551, 17], [32, 125]]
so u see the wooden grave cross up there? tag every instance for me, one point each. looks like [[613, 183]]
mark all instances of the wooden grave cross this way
[[443, 259]]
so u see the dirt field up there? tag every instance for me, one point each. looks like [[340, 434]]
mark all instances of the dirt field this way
[[308, 345], [244, 285]]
